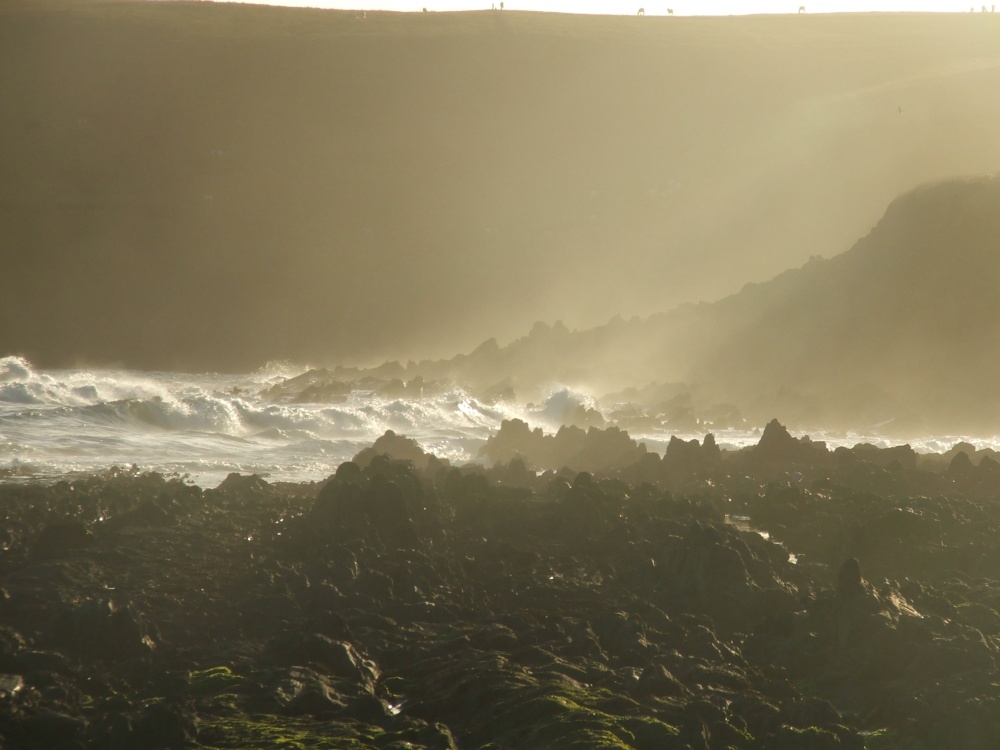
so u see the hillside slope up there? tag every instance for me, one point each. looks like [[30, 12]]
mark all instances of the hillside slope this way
[[900, 331], [201, 186], [903, 326]]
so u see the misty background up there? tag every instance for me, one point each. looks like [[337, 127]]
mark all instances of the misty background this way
[[209, 187]]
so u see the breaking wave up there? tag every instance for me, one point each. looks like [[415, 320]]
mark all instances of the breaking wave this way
[[65, 421], [56, 423]]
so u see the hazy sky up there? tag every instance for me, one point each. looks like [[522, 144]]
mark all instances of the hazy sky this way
[[652, 7]]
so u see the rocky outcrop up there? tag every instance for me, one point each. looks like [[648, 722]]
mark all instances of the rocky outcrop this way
[[450, 608], [593, 450]]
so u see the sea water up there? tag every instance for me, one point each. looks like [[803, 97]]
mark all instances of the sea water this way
[[56, 424]]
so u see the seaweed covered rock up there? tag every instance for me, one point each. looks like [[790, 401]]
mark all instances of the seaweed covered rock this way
[[300, 691], [336, 659], [485, 608]]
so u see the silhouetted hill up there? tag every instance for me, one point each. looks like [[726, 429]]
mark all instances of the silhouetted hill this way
[[899, 331], [210, 186], [902, 327]]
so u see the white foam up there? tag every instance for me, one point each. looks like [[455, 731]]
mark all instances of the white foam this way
[[68, 421], [61, 422]]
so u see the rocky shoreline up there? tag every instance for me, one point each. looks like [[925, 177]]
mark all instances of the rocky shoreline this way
[[784, 596]]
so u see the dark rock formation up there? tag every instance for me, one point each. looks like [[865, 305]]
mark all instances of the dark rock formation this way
[[594, 450], [777, 446], [394, 446], [445, 608], [687, 460]]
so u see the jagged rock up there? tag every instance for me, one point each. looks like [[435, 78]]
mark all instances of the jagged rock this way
[[243, 483], [593, 450], [395, 446], [514, 439], [685, 460], [902, 456], [340, 511], [849, 580], [961, 466], [566, 609], [777, 446], [382, 501], [604, 450]]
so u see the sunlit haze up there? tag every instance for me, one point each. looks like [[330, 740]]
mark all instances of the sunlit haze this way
[[728, 206]]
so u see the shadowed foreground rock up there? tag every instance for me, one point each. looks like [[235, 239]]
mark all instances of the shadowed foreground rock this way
[[441, 608]]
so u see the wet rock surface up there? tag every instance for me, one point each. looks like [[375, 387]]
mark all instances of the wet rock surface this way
[[782, 597]]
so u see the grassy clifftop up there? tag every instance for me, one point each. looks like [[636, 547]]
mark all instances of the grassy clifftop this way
[[210, 186]]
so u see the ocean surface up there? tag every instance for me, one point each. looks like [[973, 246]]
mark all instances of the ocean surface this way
[[56, 424]]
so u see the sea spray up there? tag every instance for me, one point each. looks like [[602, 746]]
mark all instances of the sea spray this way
[[60, 423], [65, 422]]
